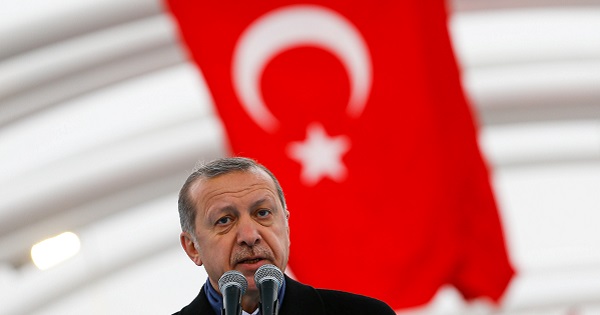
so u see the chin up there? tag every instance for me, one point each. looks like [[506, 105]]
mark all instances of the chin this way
[[251, 288], [251, 284]]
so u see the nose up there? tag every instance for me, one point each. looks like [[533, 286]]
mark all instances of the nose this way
[[248, 233]]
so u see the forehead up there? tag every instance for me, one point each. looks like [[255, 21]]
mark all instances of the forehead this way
[[233, 184]]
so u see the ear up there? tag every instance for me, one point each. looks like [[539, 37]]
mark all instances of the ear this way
[[287, 224], [190, 248]]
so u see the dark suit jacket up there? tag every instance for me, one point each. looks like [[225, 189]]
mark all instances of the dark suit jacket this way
[[301, 299]]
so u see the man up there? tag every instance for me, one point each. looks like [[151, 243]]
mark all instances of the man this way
[[234, 217]]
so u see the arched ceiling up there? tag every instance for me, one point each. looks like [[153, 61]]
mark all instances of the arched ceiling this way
[[102, 116]]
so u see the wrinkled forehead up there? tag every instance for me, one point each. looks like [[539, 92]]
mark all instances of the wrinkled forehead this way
[[205, 189]]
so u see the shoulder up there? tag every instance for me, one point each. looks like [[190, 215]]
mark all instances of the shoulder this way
[[199, 305], [339, 302], [303, 299]]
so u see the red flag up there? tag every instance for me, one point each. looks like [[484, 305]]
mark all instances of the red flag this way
[[357, 108]]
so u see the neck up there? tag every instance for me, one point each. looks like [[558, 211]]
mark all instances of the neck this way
[[250, 301]]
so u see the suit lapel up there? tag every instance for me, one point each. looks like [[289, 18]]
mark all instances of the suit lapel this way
[[301, 299]]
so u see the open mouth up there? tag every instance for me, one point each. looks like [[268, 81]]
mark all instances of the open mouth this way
[[250, 261]]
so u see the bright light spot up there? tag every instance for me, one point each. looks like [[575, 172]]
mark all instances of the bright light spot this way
[[51, 252]]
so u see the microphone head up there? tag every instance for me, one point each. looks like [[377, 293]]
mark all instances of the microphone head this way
[[268, 272], [233, 278]]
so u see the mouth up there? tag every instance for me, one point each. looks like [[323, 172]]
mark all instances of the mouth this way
[[250, 261]]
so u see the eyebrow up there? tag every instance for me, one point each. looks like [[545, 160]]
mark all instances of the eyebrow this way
[[259, 202], [211, 215], [231, 208]]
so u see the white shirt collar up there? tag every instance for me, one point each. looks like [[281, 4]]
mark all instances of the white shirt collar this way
[[254, 313]]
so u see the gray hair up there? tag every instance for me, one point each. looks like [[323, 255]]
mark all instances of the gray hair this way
[[222, 166]]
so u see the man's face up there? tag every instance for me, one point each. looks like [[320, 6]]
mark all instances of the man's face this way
[[240, 225]]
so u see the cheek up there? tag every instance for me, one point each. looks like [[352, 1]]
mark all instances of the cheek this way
[[282, 238], [216, 257], [216, 249], [220, 249]]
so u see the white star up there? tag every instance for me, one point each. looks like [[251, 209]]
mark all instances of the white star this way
[[320, 155]]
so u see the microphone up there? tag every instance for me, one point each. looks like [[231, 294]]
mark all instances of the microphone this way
[[268, 279], [232, 285]]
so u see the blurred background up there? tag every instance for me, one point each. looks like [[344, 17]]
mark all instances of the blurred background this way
[[102, 118]]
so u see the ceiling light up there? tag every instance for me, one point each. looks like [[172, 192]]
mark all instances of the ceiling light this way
[[54, 250]]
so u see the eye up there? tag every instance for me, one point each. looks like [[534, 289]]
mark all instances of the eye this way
[[262, 213], [223, 221]]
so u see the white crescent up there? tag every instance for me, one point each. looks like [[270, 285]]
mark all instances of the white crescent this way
[[292, 26]]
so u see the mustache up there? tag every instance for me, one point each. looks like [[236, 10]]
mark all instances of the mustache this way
[[245, 253]]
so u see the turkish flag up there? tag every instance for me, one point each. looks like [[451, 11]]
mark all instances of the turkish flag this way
[[358, 110]]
